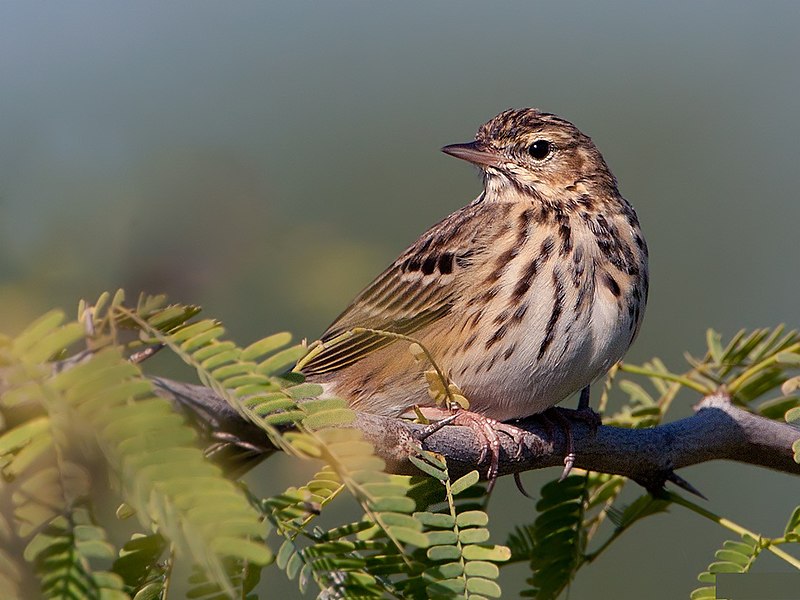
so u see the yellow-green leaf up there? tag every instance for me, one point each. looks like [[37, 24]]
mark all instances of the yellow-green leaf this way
[[493, 553], [462, 483], [472, 518], [267, 345]]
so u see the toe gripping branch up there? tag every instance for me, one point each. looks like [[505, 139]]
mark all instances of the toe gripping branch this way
[[487, 431]]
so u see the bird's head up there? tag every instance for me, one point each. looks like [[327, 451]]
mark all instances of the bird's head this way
[[525, 152]]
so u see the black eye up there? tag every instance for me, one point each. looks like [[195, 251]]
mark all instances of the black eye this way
[[539, 149]]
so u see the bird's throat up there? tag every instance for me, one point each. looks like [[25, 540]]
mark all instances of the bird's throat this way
[[499, 187]]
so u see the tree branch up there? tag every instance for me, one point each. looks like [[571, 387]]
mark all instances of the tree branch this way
[[717, 430]]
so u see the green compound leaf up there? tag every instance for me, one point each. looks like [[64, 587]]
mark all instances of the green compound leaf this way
[[472, 518], [268, 345], [462, 483], [427, 465], [555, 542], [733, 557], [62, 558], [792, 530]]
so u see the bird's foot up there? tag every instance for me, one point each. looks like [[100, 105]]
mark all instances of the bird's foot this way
[[585, 412], [561, 416], [587, 415], [485, 428]]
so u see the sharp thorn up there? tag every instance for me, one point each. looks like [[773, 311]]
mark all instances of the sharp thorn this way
[[682, 483], [520, 487]]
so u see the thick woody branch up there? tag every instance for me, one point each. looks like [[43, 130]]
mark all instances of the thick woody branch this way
[[717, 430]]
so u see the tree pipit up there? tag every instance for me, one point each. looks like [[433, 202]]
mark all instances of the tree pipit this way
[[526, 295]]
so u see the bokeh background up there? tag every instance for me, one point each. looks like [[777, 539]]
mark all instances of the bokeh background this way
[[266, 160]]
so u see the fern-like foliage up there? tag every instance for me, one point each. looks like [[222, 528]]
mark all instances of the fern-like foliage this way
[[264, 393], [10, 569], [73, 396], [395, 550], [733, 557], [738, 556], [555, 543], [244, 577], [62, 553], [139, 566], [752, 363], [313, 554], [104, 401], [465, 565], [751, 367]]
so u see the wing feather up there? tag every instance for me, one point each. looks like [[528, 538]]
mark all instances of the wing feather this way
[[418, 289]]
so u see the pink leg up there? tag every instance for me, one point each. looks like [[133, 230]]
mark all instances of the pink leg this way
[[584, 413], [485, 428]]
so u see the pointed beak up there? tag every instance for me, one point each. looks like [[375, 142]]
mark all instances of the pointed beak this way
[[475, 153]]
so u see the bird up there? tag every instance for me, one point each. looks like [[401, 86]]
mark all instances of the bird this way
[[523, 297]]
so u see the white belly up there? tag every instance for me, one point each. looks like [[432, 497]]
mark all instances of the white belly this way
[[584, 346]]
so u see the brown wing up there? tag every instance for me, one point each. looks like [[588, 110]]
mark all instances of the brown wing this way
[[418, 289]]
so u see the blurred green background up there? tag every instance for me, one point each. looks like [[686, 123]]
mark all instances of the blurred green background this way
[[266, 160]]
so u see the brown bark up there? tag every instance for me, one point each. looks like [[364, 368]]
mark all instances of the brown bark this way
[[718, 430]]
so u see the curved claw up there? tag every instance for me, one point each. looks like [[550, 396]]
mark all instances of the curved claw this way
[[569, 462]]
